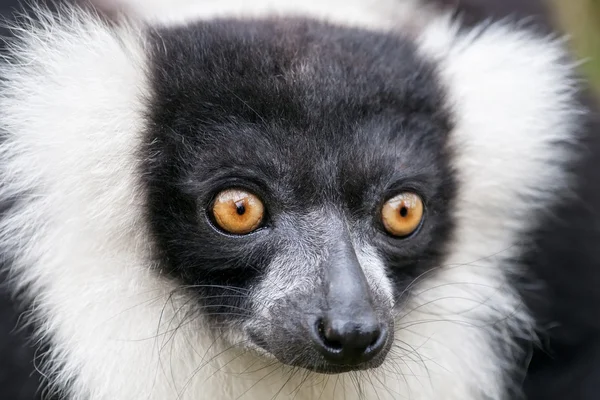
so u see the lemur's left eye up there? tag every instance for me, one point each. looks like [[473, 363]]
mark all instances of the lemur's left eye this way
[[402, 214], [238, 211]]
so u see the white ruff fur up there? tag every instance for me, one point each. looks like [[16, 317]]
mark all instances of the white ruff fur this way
[[72, 107]]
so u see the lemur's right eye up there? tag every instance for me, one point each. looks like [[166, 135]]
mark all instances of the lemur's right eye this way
[[237, 211], [402, 214]]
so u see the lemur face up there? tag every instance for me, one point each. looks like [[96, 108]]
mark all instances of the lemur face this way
[[332, 187], [298, 182]]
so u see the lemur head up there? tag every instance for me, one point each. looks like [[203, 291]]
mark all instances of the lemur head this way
[[334, 186], [297, 183]]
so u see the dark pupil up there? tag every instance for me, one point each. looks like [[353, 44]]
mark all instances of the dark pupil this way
[[240, 208], [403, 211]]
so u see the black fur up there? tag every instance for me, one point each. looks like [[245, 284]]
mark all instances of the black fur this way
[[537, 13], [565, 256], [311, 118]]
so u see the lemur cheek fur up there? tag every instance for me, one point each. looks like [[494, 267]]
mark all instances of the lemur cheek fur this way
[[299, 200]]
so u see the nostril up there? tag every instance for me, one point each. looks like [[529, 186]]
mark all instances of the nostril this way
[[349, 343], [329, 339], [378, 340], [375, 336]]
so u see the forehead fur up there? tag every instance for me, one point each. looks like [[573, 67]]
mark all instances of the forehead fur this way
[[295, 96], [297, 67]]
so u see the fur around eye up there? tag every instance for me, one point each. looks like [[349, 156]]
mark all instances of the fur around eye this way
[[237, 211], [402, 214]]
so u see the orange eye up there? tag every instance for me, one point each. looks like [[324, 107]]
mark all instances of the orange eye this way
[[402, 214], [237, 211]]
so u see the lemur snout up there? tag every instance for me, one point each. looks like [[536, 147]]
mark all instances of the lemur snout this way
[[349, 331]]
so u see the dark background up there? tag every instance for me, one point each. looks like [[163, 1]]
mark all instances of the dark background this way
[[18, 378]]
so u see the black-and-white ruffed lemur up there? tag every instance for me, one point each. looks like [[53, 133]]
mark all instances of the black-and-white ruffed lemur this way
[[318, 199]]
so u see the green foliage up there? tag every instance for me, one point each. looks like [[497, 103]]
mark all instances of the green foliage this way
[[581, 18]]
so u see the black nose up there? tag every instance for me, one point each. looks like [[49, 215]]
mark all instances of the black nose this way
[[348, 343]]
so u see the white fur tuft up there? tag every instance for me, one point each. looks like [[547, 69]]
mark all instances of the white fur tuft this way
[[373, 14]]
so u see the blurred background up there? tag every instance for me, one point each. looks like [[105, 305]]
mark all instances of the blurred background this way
[[581, 19]]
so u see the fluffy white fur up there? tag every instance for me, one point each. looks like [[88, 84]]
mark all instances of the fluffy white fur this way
[[374, 14], [71, 106]]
